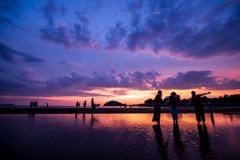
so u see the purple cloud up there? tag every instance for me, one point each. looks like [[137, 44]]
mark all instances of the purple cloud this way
[[8, 54], [32, 58], [59, 35], [63, 9], [7, 22], [81, 15], [175, 28], [98, 4], [114, 36], [25, 74], [49, 10], [198, 79], [134, 6], [77, 84]]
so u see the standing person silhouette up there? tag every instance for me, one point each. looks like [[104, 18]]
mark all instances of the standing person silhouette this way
[[157, 107], [31, 104], [199, 109], [173, 100], [94, 105], [84, 104]]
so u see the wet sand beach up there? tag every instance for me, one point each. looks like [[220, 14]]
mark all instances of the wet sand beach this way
[[112, 110]]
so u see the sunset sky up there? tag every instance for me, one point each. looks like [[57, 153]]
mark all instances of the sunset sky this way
[[58, 52]]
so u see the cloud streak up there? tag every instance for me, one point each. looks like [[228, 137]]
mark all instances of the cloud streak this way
[[76, 84], [8, 54]]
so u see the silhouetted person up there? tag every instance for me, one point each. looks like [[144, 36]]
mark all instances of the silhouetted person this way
[[199, 109], [162, 146], [84, 104], [157, 107], [35, 103], [94, 105], [77, 104], [47, 105], [125, 105], [173, 100], [31, 104]]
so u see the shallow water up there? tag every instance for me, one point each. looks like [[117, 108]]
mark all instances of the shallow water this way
[[118, 136]]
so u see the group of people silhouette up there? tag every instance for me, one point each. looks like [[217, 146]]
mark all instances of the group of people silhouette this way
[[78, 104], [33, 104], [92, 104], [173, 100]]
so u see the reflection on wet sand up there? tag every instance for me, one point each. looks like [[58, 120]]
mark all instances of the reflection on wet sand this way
[[93, 121], [178, 144], [212, 119], [204, 140], [162, 146], [118, 136], [31, 116]]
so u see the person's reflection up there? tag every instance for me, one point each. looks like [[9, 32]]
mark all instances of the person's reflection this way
[[93, 121], [212, 119], [231, 117], [31, 116], [162, 146], [178, 144], [204, 139], [83, 117]]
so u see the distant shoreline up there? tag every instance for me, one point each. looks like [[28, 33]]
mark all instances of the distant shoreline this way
[[110, 110]]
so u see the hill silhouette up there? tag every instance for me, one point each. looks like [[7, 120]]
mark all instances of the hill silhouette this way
[[114, 103]]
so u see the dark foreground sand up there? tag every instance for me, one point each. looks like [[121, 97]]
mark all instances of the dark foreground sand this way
[[112, 110]]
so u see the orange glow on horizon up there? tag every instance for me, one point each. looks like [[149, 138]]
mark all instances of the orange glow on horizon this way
[[131, 96]]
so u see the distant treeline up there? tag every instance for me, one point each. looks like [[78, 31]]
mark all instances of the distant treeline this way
[[225, 98]]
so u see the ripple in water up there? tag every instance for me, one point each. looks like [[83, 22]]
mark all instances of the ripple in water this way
[[118, 136]]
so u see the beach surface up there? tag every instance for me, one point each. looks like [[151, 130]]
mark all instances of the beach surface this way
[[112, 110]]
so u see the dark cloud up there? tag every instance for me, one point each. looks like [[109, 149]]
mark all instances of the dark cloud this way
[[49, 10], [198, 79], [63, 62], [136, 18], [58, 35], [134, 80], [134, 5], [187, 29], [25, 74], [8, 54], [63, 9], [82, 36], [188, 80], [22, 82], [10, 6], [7, 22], [81, 15], [98, 4], [32, 58], [52, 9], [114, 36], [79, 37]]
